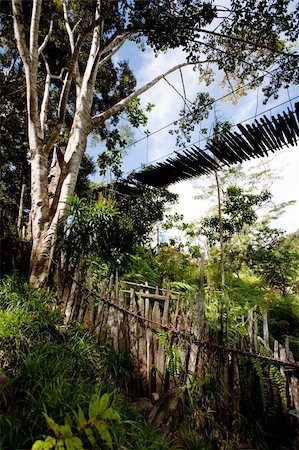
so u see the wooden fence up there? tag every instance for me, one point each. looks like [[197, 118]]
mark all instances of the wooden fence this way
[[162, 337]]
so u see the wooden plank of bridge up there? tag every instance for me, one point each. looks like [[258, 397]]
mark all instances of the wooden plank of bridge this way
[[236, 394], [250, 329], [182, 342]]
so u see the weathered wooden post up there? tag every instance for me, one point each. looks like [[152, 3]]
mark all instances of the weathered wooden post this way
[[266, 331]]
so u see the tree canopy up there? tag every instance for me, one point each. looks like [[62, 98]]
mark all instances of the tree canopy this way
[[64, 51]]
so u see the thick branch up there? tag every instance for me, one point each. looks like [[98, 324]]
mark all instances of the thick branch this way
[[119, 43], [93, 57], [44, 106], [30, 61], [70, 33], [52, 139], [100, 118], [68, 80], [20, 33], [114, 41], [34, 32]]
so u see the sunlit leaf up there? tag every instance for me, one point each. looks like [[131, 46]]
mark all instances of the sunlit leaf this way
[[94, 405], [104, 403], [53, 425], [111, 414], [90, 435]]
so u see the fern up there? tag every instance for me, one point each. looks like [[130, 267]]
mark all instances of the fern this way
[[173, 361], [278, 382], [257, 367], [243, 376]]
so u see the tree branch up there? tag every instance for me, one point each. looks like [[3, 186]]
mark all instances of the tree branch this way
[[44, 106], [70, 33], [46, 40], [29, 58], [119, 44], [68, 80], [100, 118], [20, 33], [245, 41], [94, 54], [52, 138], [34, 32]]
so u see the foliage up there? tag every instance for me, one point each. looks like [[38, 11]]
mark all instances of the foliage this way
[[238, 209], [53, 368], [174, 265], [94, 228], [100, 414], [140, 270], [144, 205], [173, 362], [162, 265], [275, 258]]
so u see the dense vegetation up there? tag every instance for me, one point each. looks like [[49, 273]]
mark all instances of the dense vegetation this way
[[60, 387], [51, 368]]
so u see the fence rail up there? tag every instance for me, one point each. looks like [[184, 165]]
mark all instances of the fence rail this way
[[132, 317]]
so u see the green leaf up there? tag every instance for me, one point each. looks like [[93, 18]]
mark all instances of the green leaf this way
[[48, 444], [52, 425], [94, 405], [59, 444], [73, 443], [81, 420], [90, 435], [104, 433], [104, 404], [111, 414], [66, 431]]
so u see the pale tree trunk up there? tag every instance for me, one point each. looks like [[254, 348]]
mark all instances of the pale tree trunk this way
[[44, 235], [50, 190], [21, 208]]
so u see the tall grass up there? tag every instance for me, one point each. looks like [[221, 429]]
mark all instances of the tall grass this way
[[52, 369]]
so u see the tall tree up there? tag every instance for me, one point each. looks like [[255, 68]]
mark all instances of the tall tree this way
[[75, 89]]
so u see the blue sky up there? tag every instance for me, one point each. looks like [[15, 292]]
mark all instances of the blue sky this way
[[167, 106]]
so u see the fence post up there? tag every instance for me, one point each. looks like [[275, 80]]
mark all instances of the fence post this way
[[133, 344], [141, 339], [156, 317], [266, 331], [148, 344], [200, 305], [88, 319], [161, 361], [255, 331], [250, 329]]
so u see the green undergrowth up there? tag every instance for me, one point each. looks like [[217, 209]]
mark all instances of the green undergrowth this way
[[50, 369]]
